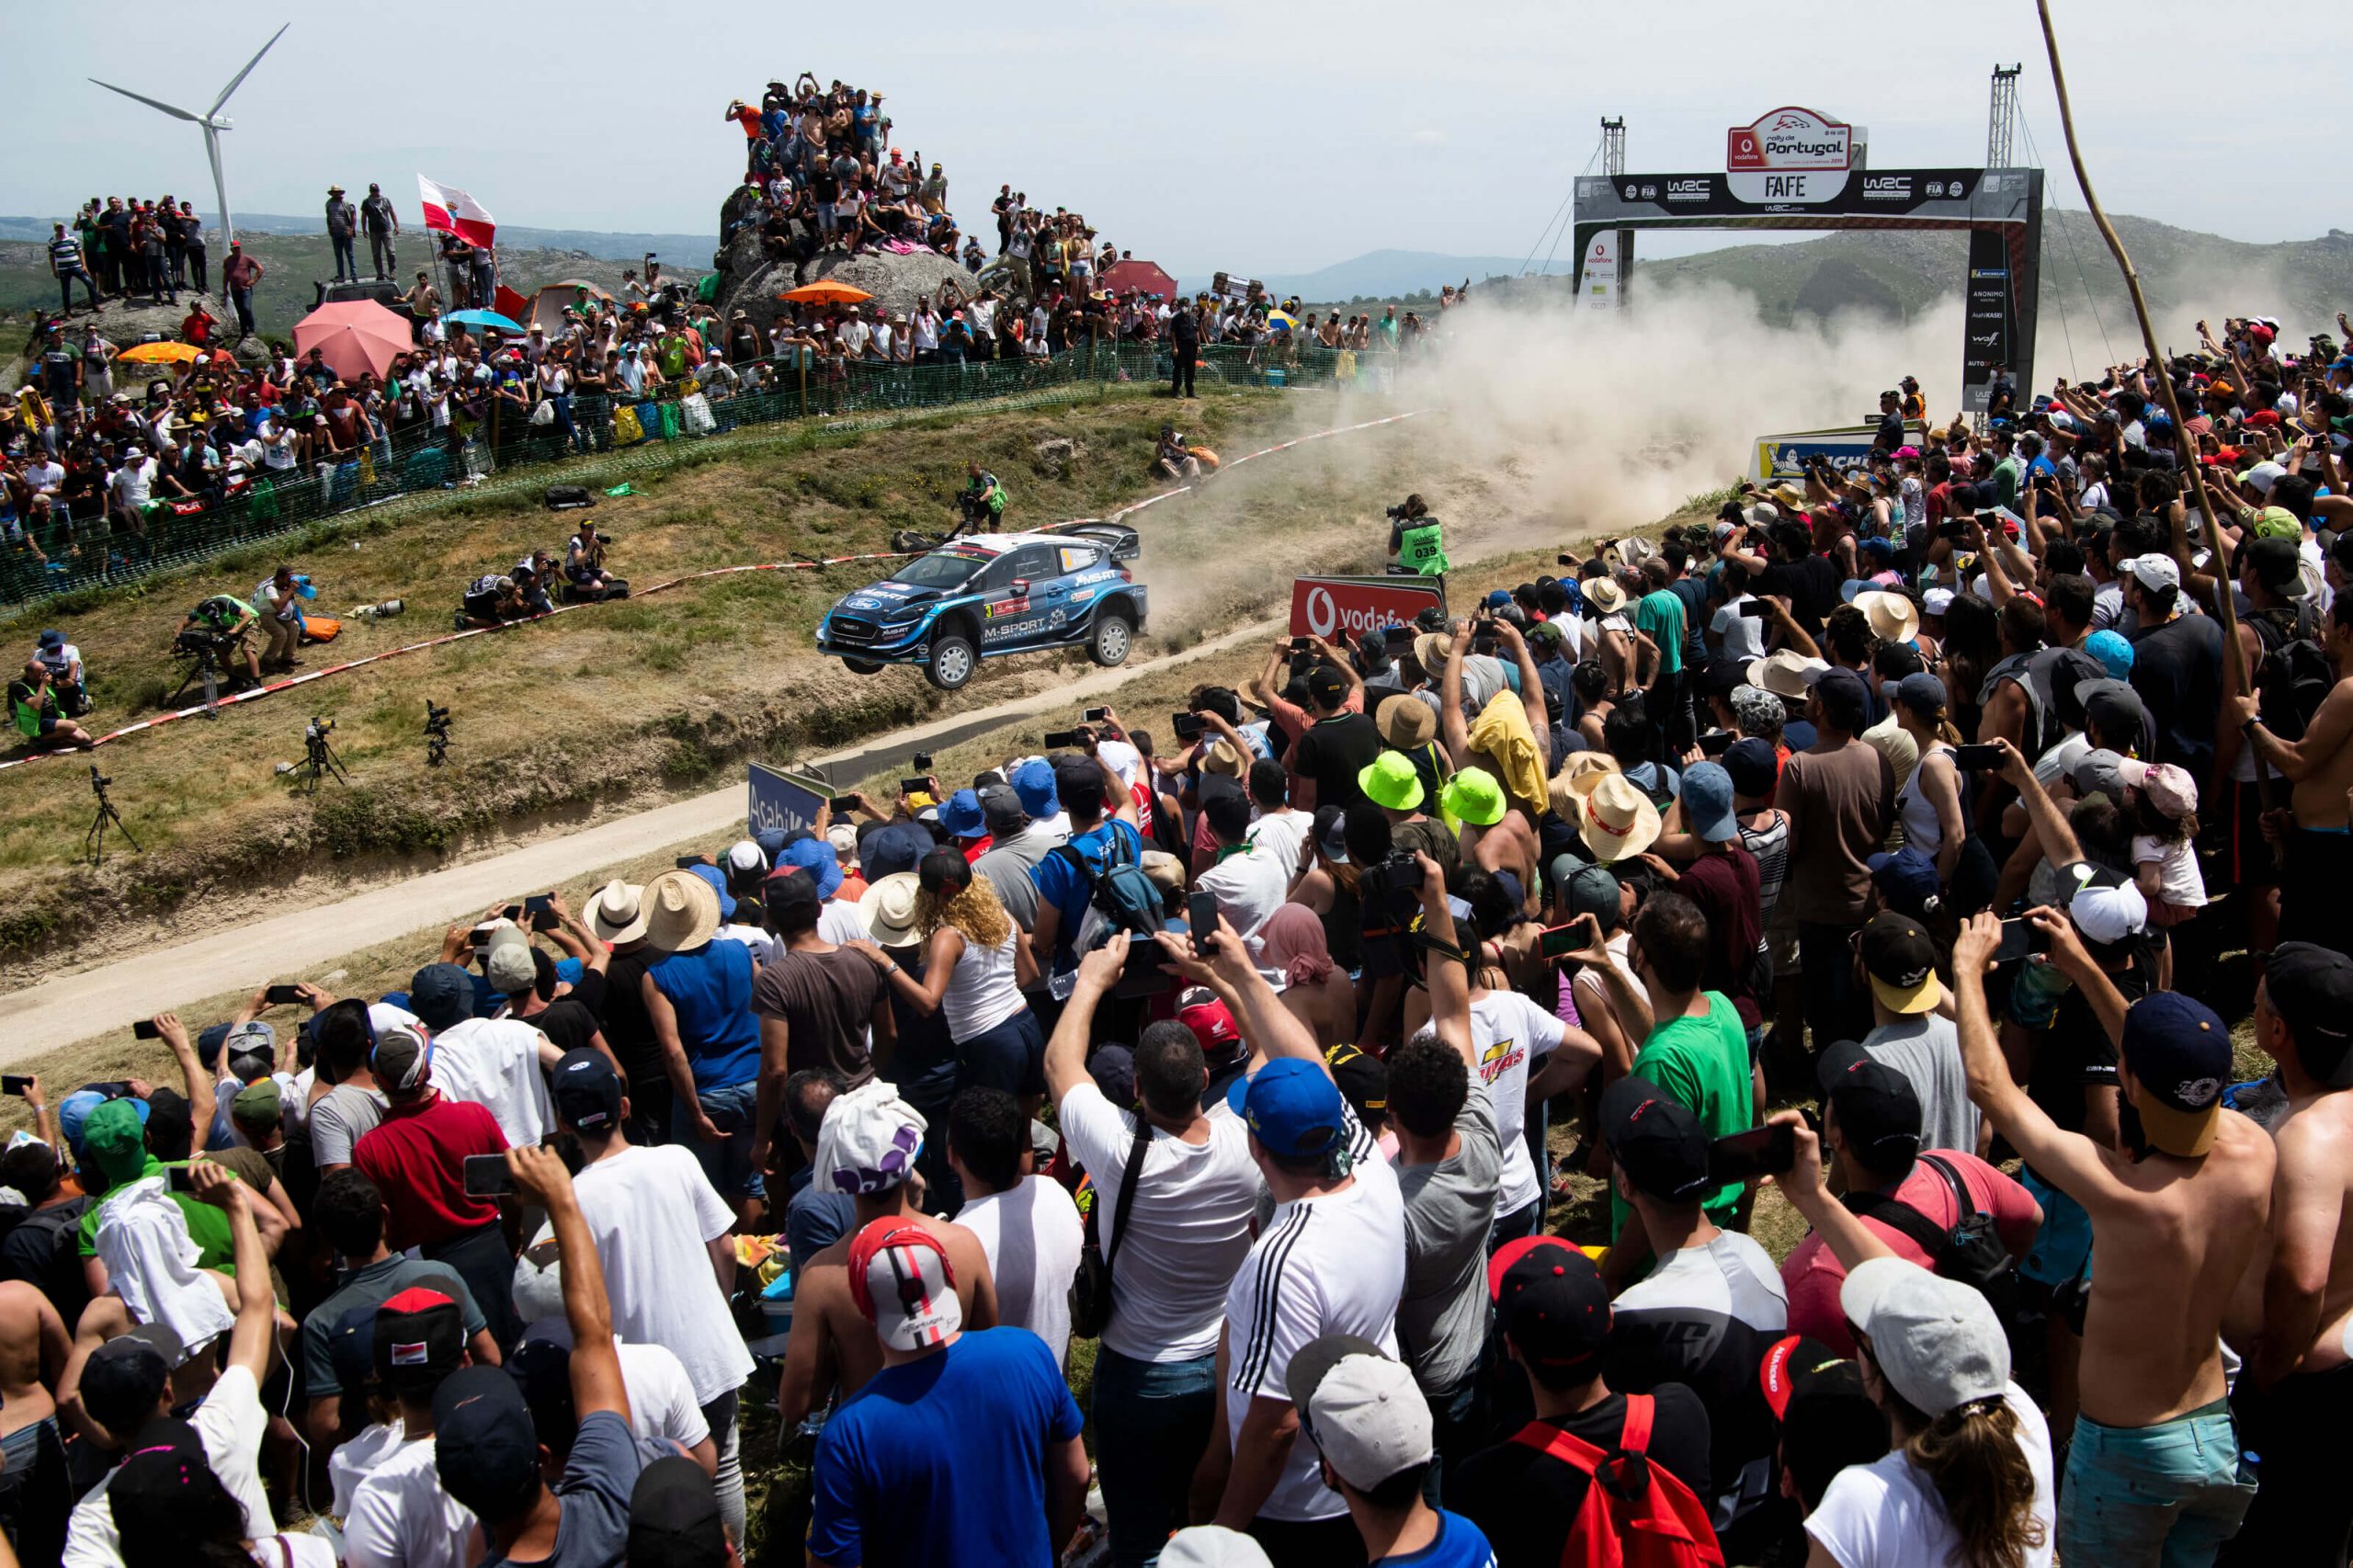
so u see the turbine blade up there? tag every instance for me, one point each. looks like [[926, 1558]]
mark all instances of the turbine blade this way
[[241, 76], [220, 188], [151, 103]]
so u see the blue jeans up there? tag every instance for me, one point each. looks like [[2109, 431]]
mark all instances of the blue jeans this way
[[1011, 1057], [2165, 1496], [728, 1162], [1152, 1421], [346, 264]]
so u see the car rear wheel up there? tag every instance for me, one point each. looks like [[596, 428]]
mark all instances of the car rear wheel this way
[[1113, 637], [863, 666], [954, 660]]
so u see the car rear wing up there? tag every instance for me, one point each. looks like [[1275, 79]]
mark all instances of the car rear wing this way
[[1122, 541]]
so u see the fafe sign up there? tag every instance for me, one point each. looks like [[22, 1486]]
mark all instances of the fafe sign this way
[[1789, 138], [783, 802], [1321, 606]]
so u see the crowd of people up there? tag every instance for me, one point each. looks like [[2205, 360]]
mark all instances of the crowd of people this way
[[1236, 1049]]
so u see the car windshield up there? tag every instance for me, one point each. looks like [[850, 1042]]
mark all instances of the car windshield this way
[[944, 571]]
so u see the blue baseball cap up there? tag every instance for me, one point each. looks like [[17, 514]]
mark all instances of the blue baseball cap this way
[[718, 880], [887, 851], [2113, 652], [2178, 1052], [1034, 782], [1707, 802], [815, 857], [1293, 1107], [1907, 880], [1497, 598], [960, 816], [441, 996]]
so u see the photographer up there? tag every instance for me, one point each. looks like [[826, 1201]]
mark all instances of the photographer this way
[[982, 502], [583, 565], [1415, 549], [280, 596], [34, 709], [491, 599], [226, 622], [66, 677]]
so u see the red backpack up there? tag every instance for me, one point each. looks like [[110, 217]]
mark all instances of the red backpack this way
[[1636, 1514]]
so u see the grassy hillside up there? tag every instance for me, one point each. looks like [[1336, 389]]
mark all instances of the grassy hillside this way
[[634, 700]]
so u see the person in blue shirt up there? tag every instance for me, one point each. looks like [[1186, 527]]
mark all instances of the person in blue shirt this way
[[1102, 825], [1372, 1434], [963, 1450]]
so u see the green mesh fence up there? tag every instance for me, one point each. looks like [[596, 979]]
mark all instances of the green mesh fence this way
[[611, 437]]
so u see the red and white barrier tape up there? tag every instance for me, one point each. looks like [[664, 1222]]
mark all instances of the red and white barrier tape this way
[[270, 688]]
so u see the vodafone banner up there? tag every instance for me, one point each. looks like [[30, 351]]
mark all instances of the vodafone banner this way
[[1321, 606]]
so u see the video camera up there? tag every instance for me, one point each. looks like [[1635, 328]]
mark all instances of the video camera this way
[[318, 729], [199, 642]]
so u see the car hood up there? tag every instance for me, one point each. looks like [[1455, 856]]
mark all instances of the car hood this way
[[888, 599]]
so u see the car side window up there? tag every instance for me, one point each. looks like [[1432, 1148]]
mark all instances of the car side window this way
[[997, 575], [1033, 562]]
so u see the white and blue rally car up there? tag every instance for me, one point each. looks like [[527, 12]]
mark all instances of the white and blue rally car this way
[[980, 596]]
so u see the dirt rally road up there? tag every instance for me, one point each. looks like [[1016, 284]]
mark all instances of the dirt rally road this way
[[111, 997]]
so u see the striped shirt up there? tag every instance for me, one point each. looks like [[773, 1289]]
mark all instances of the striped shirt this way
[[65, 254], [1334, 1264]]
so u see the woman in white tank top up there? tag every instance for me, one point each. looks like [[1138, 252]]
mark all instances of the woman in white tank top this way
[[1929, 804], [976, 963]]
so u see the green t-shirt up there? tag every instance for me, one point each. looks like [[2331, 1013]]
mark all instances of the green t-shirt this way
[[208, 1225], [1702, 1064], [1659, 617]]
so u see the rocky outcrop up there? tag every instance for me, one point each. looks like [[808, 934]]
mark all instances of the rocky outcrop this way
[[750, 281], [125, 323]]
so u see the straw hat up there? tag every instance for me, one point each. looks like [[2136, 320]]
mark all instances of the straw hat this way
[[1431, 649], [1405, 722], [888, 909], [1787, 674], [1575, 782], [680, 911], [1893, 617], [616, 912], [1619, 820], [1220, 757], [1605, 596]]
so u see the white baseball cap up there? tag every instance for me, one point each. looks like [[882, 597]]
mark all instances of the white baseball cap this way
[[2155, 571], [745, 856], [1361, 1407], [1935, 1341]]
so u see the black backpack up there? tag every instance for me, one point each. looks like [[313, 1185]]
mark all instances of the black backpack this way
[[568, 497], [1972, 1251], [2294, 677]]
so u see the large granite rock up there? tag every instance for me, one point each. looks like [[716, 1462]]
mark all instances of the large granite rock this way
[[897, 282]]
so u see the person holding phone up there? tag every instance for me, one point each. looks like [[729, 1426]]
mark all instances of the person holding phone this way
[[976, 965]]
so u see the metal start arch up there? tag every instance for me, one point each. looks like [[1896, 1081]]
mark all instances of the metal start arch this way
[[1802, 181]]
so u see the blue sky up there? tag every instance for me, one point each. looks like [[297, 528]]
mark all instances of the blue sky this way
[[1264, 138]]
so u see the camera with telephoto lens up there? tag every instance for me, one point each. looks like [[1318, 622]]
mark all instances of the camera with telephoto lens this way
[[1397, 514]]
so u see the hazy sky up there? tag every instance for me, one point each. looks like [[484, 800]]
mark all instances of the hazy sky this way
[[1264, 138]]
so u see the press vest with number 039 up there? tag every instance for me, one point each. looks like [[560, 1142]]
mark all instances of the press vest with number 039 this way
[[1419, 550]]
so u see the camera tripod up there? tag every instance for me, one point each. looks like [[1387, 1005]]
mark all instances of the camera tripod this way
[[318, 759], [207, 669], [437, 734], [93, 843]]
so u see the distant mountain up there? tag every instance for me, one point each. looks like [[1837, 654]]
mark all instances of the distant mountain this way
[[1390, 274], [677, 251]]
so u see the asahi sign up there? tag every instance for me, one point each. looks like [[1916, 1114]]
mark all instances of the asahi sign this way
[[1788, 139]]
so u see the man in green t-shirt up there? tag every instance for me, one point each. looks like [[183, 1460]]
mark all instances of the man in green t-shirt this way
[[114, 1147], [1695, 1051], [1661, 616]]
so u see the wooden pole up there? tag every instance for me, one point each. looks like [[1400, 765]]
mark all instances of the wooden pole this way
[[2225, 611]]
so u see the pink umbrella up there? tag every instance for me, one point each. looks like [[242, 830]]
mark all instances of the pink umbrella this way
[[354, 336]]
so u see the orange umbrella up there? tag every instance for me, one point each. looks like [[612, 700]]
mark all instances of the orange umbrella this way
[[826, 292], [160, 354], [354, 336]]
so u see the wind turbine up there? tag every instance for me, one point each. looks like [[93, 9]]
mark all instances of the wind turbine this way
[[210, 122]]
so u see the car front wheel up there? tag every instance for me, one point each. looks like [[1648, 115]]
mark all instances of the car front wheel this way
[[952, 661], [1113, 637]]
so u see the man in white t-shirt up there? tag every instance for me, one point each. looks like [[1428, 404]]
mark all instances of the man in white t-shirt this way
[[497, 1064], [1280, 832], [1740, 636], [668, 1242], [662, 1414], [399, 1516], [855, 333], [1330, 1260], [1509, 1034], [1709, 1307], [1185, 1231], [127, 1387], [1026, 1223], [1248, 881]]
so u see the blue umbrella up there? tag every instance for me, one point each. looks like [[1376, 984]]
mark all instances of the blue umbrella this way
[[484, 318]]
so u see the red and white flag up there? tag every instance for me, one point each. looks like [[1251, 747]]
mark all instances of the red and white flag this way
[[452, 211]]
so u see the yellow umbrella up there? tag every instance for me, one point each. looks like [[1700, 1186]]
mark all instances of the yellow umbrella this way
[[161, 354]]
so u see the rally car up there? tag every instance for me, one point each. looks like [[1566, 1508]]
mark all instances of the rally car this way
[[979, 595]]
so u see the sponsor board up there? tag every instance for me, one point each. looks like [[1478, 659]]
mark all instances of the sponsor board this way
[[784, 801], [1598, 288], [1780, 457], [1321, 606], [1791, 138]]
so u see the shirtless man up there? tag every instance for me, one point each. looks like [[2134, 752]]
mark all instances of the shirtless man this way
[[35, 1491], [863, 1141], [2291, 1397], [2154, 1473], [2318, 862]]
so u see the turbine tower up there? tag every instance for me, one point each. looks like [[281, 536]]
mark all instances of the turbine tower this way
[[211, 123]]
